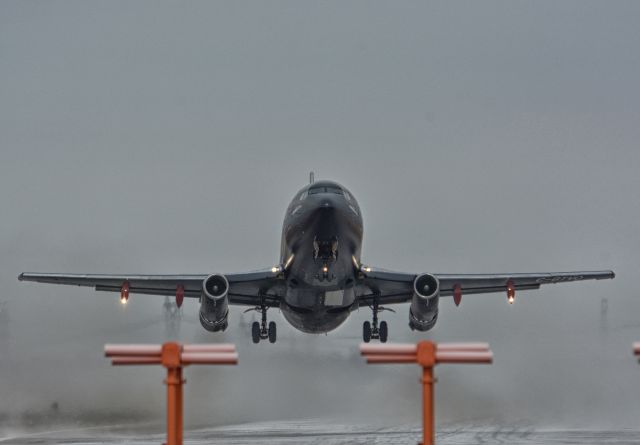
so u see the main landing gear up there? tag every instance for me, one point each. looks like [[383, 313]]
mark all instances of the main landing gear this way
[[372, 330], [260, 330]]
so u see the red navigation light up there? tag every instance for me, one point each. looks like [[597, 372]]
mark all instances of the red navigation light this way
[[511, 292], [124, 292]]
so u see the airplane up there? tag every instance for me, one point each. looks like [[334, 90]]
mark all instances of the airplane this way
[[320, 278]]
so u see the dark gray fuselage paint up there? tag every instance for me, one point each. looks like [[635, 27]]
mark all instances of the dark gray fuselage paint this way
[[321, 244]]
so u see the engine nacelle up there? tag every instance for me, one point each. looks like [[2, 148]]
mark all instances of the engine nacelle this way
[[423, 313], [214, 303]]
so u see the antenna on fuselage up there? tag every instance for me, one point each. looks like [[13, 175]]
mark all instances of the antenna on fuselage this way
[[311, 178]]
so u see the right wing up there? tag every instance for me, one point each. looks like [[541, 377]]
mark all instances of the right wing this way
[[244, 288], [397, 287]]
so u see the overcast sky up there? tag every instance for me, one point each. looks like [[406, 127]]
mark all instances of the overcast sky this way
[[164, 137]]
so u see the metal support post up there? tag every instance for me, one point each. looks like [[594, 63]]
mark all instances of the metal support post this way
[[427, 354], [173, 356]]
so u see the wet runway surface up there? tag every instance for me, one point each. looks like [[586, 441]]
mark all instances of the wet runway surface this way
[[316, 432]]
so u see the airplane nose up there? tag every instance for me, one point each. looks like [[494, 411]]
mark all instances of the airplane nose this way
[[329, 201]]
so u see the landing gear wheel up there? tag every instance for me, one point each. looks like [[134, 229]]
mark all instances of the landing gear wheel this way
[[272, 332], [384, 331], [366, 332], [255, 332], [260, 330]]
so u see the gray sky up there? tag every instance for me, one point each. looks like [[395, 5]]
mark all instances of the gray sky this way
[[162, 137]]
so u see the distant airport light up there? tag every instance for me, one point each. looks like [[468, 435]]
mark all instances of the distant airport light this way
[[174, 357], [427, 354], [636, 349]]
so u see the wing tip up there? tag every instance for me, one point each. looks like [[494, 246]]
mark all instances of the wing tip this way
[[21, 277], [612, 274]]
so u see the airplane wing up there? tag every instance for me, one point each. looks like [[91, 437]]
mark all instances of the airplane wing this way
[[244, 288], [397, 287]]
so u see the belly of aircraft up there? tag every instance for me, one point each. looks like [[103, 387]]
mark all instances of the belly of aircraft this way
[[317, 310]]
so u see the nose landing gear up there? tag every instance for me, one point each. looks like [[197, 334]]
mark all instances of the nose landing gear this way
[[371, 330]]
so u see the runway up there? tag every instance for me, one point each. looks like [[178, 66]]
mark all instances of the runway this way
[[316, 432]]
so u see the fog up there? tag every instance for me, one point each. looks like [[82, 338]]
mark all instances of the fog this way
[[160, 137]]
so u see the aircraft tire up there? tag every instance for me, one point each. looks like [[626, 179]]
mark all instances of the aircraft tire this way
[[384, 331], [366, 332], [272, 332], [255, 332]]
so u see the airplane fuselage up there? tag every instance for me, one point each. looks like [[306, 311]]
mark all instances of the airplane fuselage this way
[[320, 256]]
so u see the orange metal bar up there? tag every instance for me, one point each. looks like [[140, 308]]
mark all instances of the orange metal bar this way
[[180, 410], [382, 359], [222, 347], [171, 360], [464, 357], [136, 361], [428, 414], [209, 358], [462, 347], [399, 348], [403, 348], [174, 383], [111, 350]]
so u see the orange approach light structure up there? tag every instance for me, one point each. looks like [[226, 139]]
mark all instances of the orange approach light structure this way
[[427, 354], [173, 356]]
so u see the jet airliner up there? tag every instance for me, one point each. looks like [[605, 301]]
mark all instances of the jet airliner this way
[[320, 278]]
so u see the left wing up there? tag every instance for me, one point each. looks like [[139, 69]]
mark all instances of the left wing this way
[[397, 287], [244, 288]]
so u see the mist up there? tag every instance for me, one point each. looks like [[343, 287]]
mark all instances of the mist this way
[[157, 137]]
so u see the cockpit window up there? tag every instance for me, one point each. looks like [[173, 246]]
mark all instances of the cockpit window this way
[[303, 195], [322, 189]]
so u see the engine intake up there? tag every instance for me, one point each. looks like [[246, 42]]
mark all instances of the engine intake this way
[[214, 303], [423, 313]]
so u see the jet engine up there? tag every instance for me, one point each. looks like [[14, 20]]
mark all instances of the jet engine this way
[[214, 303], [423, 313]]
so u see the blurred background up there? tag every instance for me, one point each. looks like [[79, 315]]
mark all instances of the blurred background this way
[[164, 137]]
